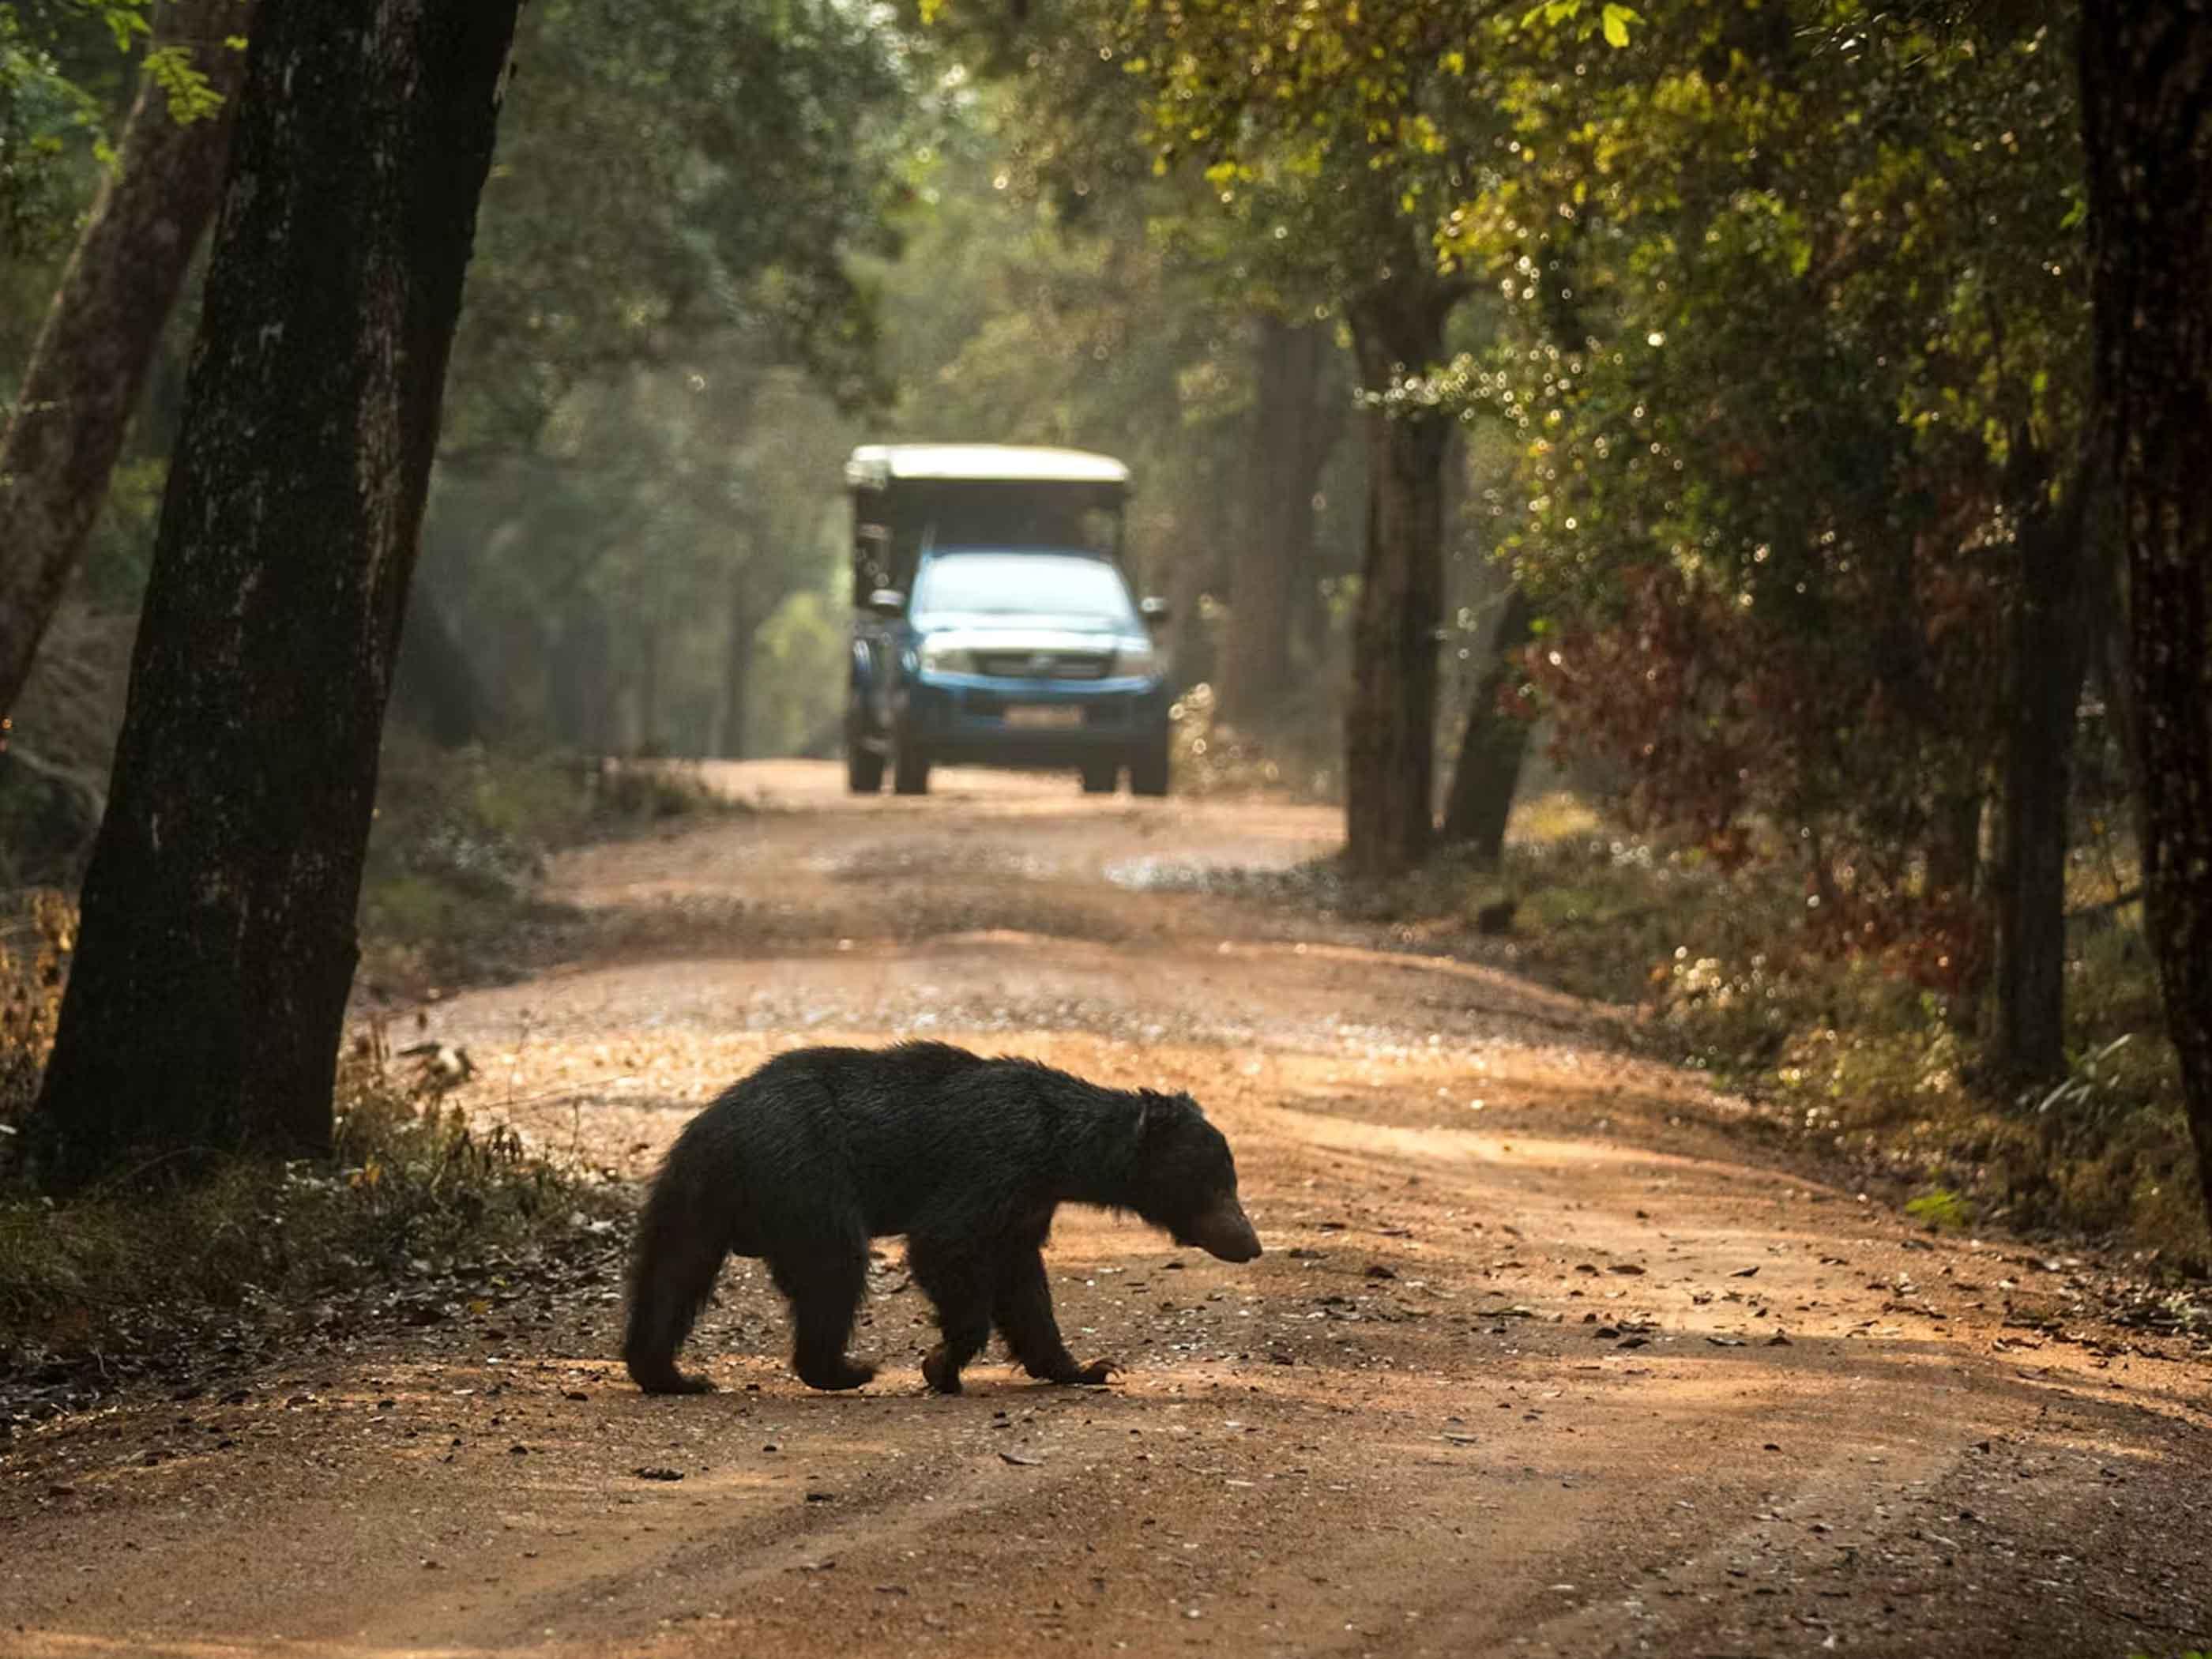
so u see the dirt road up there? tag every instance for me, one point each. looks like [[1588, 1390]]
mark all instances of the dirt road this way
[[1539, 1360]]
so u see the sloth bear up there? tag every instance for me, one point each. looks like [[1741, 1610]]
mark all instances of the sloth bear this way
[[805, 1160]]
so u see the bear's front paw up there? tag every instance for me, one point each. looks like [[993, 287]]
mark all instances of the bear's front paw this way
[[937, 1370], [1096, 1371], [675, 1382]]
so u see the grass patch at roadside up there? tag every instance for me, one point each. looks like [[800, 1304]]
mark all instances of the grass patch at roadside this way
[[414, 1199], [417, 1207]]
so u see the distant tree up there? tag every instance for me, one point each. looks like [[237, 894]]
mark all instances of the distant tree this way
[[2146, 80], [1496, 740], [1332, 131], [217, 948], [1298, 404], [66, 427]]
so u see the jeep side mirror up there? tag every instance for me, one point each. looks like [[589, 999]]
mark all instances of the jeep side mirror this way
[[888, 603], [1153, 610]]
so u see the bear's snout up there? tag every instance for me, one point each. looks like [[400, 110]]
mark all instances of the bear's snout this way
[[1226, 1231]]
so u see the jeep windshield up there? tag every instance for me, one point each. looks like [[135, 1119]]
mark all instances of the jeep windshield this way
[[1065, 587]]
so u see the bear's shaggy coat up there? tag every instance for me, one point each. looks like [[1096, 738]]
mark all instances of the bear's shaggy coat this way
[[821, 1150]]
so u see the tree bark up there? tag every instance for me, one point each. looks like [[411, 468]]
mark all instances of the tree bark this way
[[2146, 116], [2050, 656], [1495, 744], [1275, 550], [90, 362], [1389, 723], [206, 1003]]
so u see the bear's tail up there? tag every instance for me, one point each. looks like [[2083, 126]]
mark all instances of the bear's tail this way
[[680, 1247]]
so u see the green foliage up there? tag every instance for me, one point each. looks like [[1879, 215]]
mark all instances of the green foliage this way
[[191, 98], [1793, 340], [706, 168], [48, 118], [65, 72], [1942, 1209]]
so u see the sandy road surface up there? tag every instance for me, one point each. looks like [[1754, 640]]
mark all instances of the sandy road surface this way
[[1538, 1360]]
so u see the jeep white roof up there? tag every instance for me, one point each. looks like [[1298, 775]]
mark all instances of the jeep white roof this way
[[875, 465]]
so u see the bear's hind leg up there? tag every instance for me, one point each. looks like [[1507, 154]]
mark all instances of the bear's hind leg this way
[[679, 1251], [960, 1286], [1022, 1308], [823, 1285]]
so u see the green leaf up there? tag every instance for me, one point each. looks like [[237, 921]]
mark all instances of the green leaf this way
[[1615, 22]]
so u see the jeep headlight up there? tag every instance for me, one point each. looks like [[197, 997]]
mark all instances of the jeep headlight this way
[[940, 659], [1136, 657]]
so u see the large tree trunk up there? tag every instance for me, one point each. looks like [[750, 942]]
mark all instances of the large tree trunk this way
[[1275, 552], [99, 336], [2147, 110], [2049, 655], [206, 1002], [1389, 723], [1495, 744]]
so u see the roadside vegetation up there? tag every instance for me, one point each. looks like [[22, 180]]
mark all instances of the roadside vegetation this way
[[419, 1210], [1867, 1050], [451, 890], [414, 1189]]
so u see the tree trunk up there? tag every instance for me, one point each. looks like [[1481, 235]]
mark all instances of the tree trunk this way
[[581, 693], [1193, 574], [1389, 722], [1954, 843], [1274, 551], [2146, 88], [648, 743], [1309, 619], [208, 996], [435, 687], [1495, 744], [90, 361], [2049, 655], [737, 670]]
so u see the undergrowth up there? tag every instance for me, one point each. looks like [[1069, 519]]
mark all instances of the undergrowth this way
[[1846, 1051], [450, 892], [411, 1181]]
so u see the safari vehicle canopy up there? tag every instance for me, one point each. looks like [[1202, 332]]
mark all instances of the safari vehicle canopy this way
[[909, 498]]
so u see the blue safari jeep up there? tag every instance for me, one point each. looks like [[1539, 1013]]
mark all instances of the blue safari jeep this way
[[993, 622]]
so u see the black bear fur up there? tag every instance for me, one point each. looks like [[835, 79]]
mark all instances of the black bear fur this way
[[805, 1160]]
